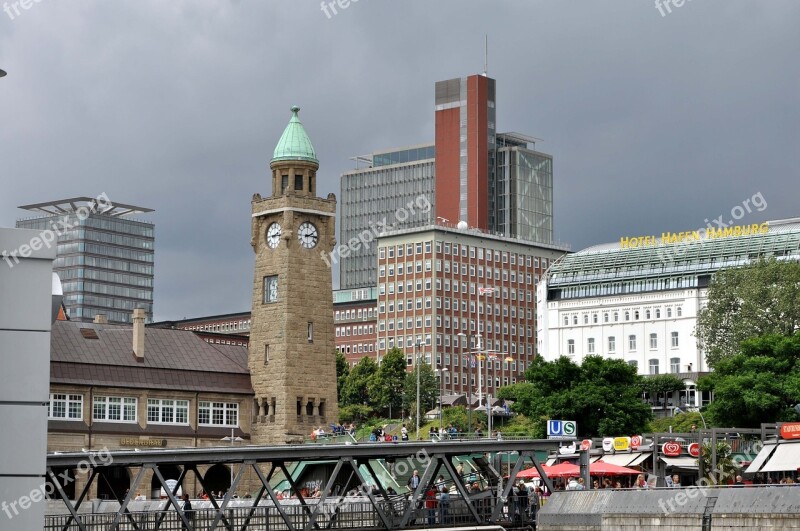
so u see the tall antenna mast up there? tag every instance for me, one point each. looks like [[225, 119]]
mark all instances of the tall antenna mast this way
[[486, 56]]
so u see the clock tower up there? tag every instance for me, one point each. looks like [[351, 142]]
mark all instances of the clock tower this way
[[291, 356]]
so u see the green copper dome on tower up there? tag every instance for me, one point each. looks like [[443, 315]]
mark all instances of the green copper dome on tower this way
[[294, 143]]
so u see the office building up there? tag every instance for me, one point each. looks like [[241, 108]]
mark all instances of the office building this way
[[355, 317], [105, 257], [451, 296], [638, 299], [495, 182], [376, 198]]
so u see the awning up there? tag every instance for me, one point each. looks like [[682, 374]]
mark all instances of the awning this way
[[761, 458], [619, 459], [785, 458], [639, 460], [681, 462]]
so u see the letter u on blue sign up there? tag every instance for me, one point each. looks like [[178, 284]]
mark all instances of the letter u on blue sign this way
[[554, 427]]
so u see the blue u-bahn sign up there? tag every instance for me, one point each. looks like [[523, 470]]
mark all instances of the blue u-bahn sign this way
[[562, 429]]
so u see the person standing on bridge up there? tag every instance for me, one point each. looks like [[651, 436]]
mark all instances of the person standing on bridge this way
[[413, 481], [188, 513]]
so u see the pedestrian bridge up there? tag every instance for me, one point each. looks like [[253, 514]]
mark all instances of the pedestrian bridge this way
[[351, 494]]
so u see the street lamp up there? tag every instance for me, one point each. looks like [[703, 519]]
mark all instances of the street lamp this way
[[232, 440], [677, 410], [465, 338], [441, 409], [416, 368]]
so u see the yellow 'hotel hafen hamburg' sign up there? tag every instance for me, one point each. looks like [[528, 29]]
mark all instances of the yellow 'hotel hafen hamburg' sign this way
[[668, 238]]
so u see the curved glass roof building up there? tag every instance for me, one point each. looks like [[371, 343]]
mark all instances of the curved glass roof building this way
[[638, 299]]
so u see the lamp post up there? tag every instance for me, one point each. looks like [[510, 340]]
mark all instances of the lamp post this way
[[232, 440], [416, 368], [465, 338], [441, 409]]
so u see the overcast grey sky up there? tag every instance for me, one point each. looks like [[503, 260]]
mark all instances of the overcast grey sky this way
[[656, 122]]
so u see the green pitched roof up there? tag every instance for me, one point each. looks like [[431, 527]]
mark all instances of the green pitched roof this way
[[294, 143]]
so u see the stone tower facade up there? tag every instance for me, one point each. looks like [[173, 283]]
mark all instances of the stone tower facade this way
[[291, 356]]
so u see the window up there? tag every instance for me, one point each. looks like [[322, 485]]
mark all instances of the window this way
[[270, 289], [674, 365], [605, 317], [298, 182], [654, 366], [114, 409], [616, 316], [647, 314], [658, 313], [585, 319], [571, 346], [627, 315], [310, 330], [634, 364], [679, 311], [63, 406], [674, 339], [590, 345], [669, 313], [284, 183], [218, 414], [653, 341], [167, 411], [612, 344], [632, 343]]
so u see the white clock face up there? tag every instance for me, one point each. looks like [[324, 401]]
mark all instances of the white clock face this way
[[273, 235], [308, 235]]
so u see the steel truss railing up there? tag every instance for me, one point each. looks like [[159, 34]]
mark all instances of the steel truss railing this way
[[375, 508]]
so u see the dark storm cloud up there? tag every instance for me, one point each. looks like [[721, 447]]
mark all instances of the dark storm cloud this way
[[655, 122]]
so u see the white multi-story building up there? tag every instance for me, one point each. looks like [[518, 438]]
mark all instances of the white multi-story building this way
[[638, 300]]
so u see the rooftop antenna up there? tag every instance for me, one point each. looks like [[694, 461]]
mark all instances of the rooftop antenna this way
[[486, 55]]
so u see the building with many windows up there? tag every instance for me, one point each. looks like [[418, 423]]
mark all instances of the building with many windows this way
[[462, 300], [355, 318], [495, 182], [638, 299], [104, 259], [122, 387]]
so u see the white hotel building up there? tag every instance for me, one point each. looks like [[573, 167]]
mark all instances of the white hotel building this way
[[639, 302]]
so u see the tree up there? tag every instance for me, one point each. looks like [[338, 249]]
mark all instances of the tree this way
[[601, 395], [661, 385], [745, 302], [386, 385], [342, 370], [681, 423], [759, 384], [356, 387], [726, 468], [429, 389]]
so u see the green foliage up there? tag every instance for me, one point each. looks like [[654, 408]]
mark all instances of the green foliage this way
[[601, 395], [458, 417], [429, 390], [681, 423], [726, 468], [522, 425], [342, 370], [356, 386], [662, 384], [355, 413], [759, 384], [752, 301], [386, 385]]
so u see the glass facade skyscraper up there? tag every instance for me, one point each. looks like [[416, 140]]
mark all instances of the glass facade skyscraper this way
[[395, 190], [495, 182], [104, 259]]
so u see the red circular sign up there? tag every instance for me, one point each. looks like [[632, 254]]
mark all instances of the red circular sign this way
[[694, 450], [636, 441], [671, 449], [586, 444]]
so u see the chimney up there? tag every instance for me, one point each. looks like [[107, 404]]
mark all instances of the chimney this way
[[100, 318], [138, 334]]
